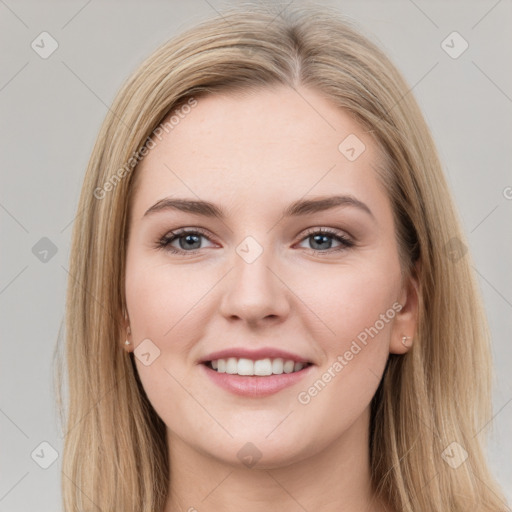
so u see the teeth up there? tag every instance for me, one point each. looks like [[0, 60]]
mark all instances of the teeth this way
[[245, 367], [261, 367], [288, 366], [231, 365], [277, 366]]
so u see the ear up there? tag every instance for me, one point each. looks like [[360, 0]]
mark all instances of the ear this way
[[406, 320], [126, 333]]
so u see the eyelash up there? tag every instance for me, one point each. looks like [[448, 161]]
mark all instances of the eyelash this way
[[165, 241]]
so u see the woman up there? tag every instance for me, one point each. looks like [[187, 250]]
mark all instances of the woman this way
[[269, 305]]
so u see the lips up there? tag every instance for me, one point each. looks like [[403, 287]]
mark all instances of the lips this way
[[253, 385], [255, 373]]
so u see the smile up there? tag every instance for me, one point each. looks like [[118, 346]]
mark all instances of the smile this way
[[244, 381], [260, 367]]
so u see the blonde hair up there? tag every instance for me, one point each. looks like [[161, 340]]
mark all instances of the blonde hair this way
[[115, 452]]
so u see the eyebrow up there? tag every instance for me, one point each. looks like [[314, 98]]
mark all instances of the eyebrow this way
[[297, 208]]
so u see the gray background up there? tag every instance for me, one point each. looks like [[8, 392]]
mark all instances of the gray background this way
[[51, 111]]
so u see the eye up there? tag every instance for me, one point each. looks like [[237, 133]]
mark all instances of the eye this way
[[321, 240], [188, 241]]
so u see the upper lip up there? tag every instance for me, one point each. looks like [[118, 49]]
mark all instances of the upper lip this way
[[261, 353]]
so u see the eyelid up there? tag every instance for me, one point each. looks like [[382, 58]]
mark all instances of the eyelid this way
[[326, 230]]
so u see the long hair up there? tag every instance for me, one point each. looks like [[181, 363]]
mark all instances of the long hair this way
[[432, 405]]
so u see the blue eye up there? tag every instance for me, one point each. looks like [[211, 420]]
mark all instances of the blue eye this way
[[189, 241], [321, 240]]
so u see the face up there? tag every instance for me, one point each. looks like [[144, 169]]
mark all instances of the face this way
[[290, 268]]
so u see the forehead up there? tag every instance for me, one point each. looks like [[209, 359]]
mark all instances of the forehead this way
[[259, 146]]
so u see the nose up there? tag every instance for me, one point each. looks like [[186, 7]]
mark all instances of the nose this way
[[255, 293]]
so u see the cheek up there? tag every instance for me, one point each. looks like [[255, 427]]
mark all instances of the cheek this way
[[359, 304], [358, 307], [166, 306], [161, 302], [160, 299], [353, 300]]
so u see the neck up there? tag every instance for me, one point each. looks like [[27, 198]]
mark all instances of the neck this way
[[335, 478]]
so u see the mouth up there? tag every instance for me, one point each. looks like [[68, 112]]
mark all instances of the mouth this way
[[255, 378], [256, 368]]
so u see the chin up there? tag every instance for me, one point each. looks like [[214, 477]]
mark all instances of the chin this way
[[252, 450]]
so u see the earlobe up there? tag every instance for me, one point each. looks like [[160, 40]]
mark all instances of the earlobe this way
[[406, 341], [406, 320], [401, 345], [127, 343]]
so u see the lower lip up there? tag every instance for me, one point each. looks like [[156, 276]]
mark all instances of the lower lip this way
[[255, 385]]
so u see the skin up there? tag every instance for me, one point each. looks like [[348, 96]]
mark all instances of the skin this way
[[253, 154]]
